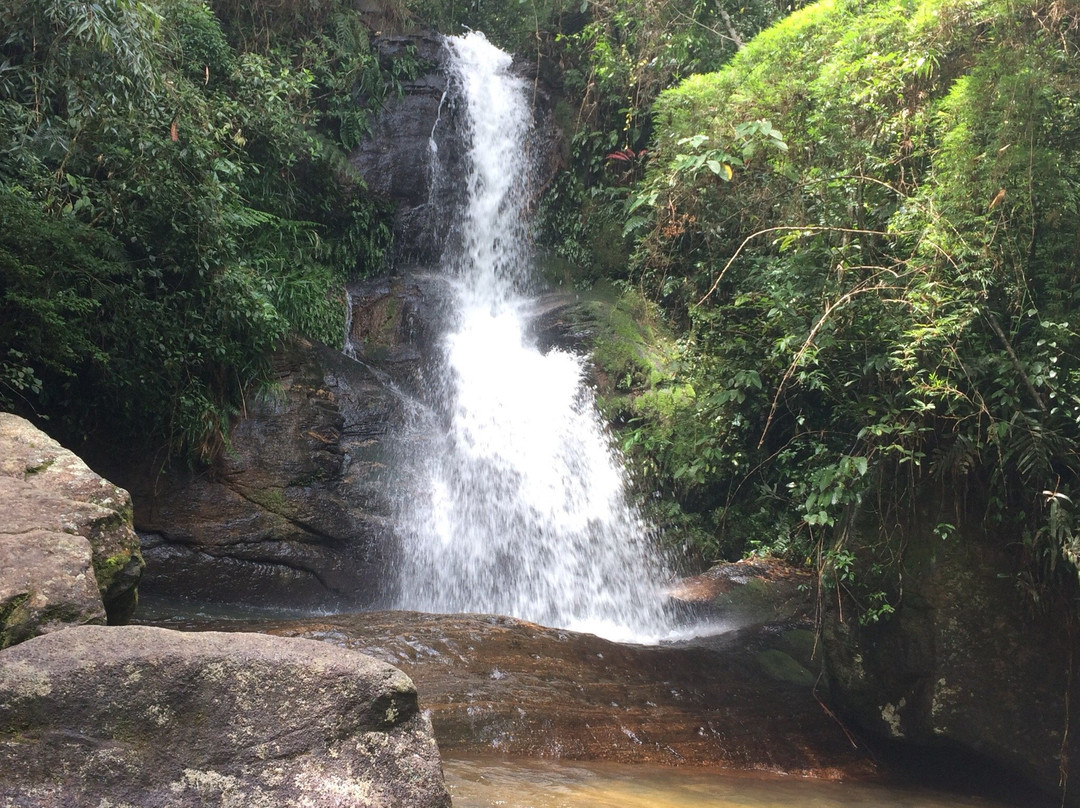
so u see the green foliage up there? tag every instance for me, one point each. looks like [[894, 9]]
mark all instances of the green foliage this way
[[195, 199], [615, 57], [884, 305]]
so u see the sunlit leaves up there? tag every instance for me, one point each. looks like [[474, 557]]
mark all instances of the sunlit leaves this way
[[903, 314]]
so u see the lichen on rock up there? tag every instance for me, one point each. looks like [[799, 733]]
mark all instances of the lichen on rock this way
[[68, 553]]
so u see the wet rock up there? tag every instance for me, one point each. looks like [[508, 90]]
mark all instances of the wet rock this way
[[495, 684], [397, 160], [966, 663], [296, 511], [68, 554], [752, 592], [396, 322], [414, 156], [141, 716]]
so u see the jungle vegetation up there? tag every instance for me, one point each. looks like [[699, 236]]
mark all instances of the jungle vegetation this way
[[175, 200], [864, 232], [175, 194]]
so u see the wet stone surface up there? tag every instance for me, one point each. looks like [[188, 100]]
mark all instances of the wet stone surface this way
[[495, 684]]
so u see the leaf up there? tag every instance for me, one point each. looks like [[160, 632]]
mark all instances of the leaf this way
[[722, 170], [694, 141]]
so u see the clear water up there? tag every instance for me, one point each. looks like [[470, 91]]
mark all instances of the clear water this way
[[522, 505], [542, 784]]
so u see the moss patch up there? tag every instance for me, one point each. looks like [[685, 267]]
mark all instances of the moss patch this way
[[632, 347], [780, 666], [41, 467], [272, 499]]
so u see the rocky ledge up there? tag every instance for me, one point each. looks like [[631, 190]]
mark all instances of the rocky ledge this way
[[297, 512], [745, 699]]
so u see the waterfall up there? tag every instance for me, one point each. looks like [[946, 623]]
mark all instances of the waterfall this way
[[521, 507]]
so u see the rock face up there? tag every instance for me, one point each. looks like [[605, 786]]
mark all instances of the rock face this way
[[394, 324], [398, 161], [966, 663], [138, 716], [296, 513], [68, 554]]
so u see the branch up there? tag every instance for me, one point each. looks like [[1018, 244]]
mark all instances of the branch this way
[[806, 347], [996, 328], [731, 28], [810, 229]]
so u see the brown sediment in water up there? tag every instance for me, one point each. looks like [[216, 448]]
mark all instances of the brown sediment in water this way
[[483, 782]]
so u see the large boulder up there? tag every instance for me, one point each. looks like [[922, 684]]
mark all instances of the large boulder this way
[[297, 511], [968, 662], [68, 554], [139, 716]]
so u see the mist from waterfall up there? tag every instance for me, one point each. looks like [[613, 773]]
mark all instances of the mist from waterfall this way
[[521, 508]]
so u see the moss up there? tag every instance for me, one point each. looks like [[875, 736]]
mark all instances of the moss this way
[[272, 499], [632, 347], [780, 666], [41, 467], [107, 568], [800, 643], [8, 634]]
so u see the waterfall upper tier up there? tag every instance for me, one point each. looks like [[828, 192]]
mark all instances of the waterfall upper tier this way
[[396, 160]]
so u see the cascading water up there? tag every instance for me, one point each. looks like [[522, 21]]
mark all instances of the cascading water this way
[[522, 509]]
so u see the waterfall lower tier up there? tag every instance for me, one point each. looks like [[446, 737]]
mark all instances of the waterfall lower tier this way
[[521, 505]]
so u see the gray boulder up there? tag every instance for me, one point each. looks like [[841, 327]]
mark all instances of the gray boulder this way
[[68, 554], [138, 716]]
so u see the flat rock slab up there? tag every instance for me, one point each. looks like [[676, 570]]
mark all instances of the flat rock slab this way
[[745, 699], [140, 716]]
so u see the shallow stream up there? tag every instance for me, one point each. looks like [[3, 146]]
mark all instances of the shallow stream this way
[[502, 783]]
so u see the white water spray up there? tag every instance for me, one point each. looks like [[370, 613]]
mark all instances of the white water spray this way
[[523, 510]]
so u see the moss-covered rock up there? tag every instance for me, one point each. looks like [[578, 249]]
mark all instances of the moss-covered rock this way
[[781, 666], [965, 662]]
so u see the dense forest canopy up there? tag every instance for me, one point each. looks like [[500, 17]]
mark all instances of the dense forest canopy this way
[[175, 200], [856, 222]]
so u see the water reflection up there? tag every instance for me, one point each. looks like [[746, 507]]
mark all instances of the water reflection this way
[[490, 783]]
